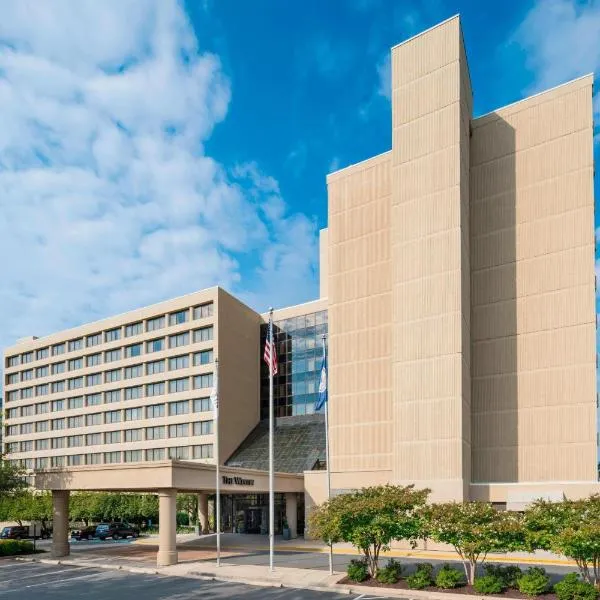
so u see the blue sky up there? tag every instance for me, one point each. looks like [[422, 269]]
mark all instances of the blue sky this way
[[149, 149]]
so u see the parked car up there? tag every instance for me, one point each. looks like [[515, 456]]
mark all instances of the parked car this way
[[116, 531], [22, 532], [85, 533]]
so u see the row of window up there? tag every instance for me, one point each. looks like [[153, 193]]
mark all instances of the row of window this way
[[201, 451], [173, 386], [159, 432], [204, 334], [110, 335]]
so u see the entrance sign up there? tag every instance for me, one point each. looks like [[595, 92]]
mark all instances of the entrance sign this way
[[237, 481]]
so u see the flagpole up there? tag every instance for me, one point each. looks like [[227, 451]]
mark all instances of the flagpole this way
[[217, 470], [271, 467], [327, 458]]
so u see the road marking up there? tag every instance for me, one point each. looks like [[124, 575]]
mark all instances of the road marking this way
[[365, 597], [46, 583], [44, 574], [14, 564]]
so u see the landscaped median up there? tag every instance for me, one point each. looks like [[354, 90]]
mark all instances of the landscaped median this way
[[16, 548]]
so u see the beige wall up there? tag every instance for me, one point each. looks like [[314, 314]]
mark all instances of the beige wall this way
[[534, 332], [323, 263]]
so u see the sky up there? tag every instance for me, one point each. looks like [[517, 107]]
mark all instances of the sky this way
[[152, 148]]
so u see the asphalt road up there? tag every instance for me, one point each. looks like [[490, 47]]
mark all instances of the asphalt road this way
[[24, 581]]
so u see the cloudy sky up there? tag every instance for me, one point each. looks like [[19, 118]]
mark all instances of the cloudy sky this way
[[150, 148]]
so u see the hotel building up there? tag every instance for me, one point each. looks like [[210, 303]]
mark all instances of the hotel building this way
[[458, 297]]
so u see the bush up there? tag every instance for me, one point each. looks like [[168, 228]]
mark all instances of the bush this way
[[572, 588], [449, 578], [357, 570], [534, 582], [183, 518], [509, 573], [390, 573], [421, 578], [14, 547], [489, 584]]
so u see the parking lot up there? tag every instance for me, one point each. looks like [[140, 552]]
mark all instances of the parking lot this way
[[26, 580]]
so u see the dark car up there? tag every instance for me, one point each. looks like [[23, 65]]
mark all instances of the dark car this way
[[85, 533], [116, 531], [16, 532]]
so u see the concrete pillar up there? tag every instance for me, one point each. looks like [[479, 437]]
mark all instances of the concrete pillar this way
[[167, 528], [203, 512], [60, 523], [291, 513]]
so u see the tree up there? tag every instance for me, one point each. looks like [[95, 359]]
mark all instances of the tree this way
[[12, 478], [570, 528], [188, 503], [370, 519], [474, 529]]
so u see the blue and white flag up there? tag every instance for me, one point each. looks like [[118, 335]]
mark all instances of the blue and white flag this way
[[322, 383]]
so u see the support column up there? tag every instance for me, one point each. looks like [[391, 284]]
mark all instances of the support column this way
[[60, 523], [167, 528], [203, 512], [291, 513]]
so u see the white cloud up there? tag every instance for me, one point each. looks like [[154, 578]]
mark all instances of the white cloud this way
[[384, 74], [107, 197]]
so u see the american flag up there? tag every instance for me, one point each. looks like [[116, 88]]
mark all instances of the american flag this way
[[270, 354]]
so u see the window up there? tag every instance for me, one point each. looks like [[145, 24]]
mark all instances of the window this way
[[75, 344], [155, 454], [133, 435], [74, 422], [180, 430], [42, 371], [112, 335], [155, 433], [12, 430], [42, 408], [58, 386], [112, 458], [113, 396], [112, 437], [133, 414], [27, 411], [28, 375], [75, 441], [154, 324], [42, 353], [57, 461], [42, 426], [41, 463], [203, 451], [179, 317], [76, 460], [203, 428], [14, 395], [94, 419], [25, 393], [155, 389], [93, 340], [155, 345], [27, 357], [153, 368], [12, 413], [133, 393], [42, 444], [93, 399], [203, 381], [203, 311], [58, 405], [58, 349], [12, 447], [13, 361], [41, 390], [155, 410], [133, 329], [180, 339], [179, 453], [111, 376], [75, 383], [58, 424], [133, 350], [27, 446], [93, 459], [95, 379], [93, 360], [58, 368], [12, 378], [26, 428], [179, 362], [93, 439], [204, 334], [113, 416], [131, 372], [76, 402], [203, 358], [112, 355], [179, 408], [179, 385], [75, 363], [133, 455]]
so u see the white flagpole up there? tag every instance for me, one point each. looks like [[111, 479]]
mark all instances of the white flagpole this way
[[327, 456], [215, 400], [271, 466]]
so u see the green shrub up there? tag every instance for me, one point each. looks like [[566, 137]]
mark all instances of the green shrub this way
[[422, 577], [448, 578], [534, 582], [14, 547], [489, 584], [509, 573], [572, 588], [357, 570], [390, 573]]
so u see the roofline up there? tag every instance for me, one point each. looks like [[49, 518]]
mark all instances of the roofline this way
[[360, 162], [265, 315], [456, 16]]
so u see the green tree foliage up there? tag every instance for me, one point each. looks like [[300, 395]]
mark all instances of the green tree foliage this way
[[474, 529], [570, 528], [370, 519], [12, 478], [188, 503]]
